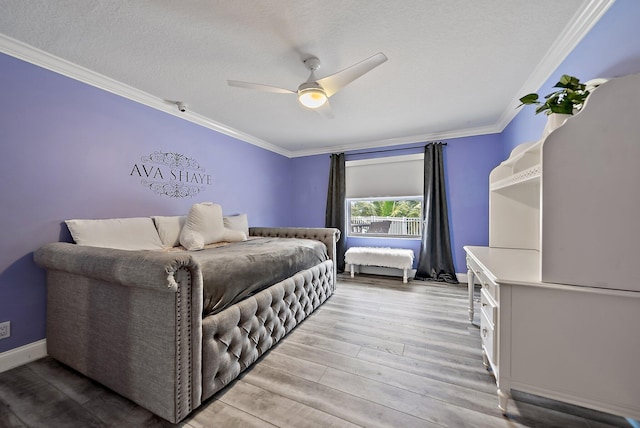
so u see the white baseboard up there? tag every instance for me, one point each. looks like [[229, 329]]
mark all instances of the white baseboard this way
[[23, 355]]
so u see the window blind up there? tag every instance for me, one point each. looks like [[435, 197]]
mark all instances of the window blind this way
[[385, 177]]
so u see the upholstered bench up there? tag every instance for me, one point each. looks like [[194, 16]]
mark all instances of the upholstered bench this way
[[398, 258]]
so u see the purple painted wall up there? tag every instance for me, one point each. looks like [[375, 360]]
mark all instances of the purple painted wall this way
[[468, 162], [611, 49], [68, 150], [310, 181]]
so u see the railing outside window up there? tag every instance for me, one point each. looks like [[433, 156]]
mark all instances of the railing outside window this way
[[398, 225], [381, 217]]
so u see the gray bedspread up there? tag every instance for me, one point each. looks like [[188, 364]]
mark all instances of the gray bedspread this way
[[240, 269]]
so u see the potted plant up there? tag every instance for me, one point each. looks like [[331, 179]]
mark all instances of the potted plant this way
[[564, 102]]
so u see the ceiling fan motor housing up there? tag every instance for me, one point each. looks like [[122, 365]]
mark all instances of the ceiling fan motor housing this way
[[311, 95]]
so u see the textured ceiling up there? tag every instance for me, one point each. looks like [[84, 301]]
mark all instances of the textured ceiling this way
[[455, 68]]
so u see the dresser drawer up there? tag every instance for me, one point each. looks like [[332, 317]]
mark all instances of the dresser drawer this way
[[487, 333], [488, 307], [483, 278]]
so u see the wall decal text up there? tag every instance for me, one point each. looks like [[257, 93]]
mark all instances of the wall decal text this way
[[171, 174]]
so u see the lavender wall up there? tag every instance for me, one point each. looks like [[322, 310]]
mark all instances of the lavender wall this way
[[611, 49], [68, 150], [468, 162], [310, 181]]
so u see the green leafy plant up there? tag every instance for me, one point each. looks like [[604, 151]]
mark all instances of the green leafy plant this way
[[569, 98], [386, 208]]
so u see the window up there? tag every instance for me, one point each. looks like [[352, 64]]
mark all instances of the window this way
[[378, 196], [382, 217]]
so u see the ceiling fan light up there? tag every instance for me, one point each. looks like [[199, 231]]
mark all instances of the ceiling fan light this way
[[312, 97]]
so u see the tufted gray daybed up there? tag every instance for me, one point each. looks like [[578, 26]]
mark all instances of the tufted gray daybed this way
[[133, 320]]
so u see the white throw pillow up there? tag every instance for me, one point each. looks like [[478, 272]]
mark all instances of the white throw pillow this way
[[237, 222], [231, 235], [203, 225], [169, 228], [136, 233]]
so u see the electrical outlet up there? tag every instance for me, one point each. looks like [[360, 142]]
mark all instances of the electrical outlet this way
[[5, 329]]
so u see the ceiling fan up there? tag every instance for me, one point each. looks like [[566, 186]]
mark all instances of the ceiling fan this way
[[314, 93]]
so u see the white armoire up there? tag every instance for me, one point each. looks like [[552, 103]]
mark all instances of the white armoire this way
[[560, 292]]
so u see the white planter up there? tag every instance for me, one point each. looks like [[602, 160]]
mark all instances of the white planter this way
[[554, 121]]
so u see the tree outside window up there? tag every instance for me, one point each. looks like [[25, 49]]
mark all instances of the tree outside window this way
[[398, 217]]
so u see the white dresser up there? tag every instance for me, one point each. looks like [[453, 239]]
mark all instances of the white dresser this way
[[560, 294]]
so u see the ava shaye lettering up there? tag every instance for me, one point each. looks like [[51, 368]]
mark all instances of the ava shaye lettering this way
[[193, 177], [171, 174], [154, 172]]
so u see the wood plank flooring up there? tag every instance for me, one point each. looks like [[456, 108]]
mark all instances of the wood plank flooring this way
[[378, 353]]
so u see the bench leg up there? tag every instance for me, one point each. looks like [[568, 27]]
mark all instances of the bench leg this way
[[351, 270], [404, 276]]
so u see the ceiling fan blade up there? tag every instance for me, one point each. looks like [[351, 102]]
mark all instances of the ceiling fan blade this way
[[325, 110], [333, 83], [259, 87]]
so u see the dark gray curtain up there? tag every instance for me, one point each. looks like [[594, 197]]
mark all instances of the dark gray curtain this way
[[335, 204], [436, 261]]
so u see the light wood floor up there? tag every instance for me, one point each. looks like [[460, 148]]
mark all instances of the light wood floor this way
[[377, 353]]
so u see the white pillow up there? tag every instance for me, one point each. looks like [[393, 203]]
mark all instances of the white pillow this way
[[169, 228], [237, 222], [136, 233], [202, 226], [231, 235]]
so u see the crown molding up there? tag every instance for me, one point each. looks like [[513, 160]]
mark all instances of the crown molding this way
[[585, 19], [420, 138], [66, 68]]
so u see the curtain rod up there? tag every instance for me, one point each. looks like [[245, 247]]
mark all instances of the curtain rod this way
[[389, 150]]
